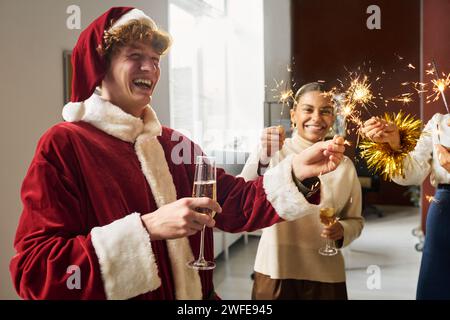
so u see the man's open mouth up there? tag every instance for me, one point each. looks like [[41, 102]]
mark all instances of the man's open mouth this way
[[143, 83]]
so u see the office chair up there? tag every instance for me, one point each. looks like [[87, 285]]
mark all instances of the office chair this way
[[370, 182]]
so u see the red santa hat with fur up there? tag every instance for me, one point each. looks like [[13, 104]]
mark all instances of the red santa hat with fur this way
[[88, 60]]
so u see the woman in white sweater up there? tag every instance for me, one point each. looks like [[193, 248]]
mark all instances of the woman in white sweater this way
[[288, 264], [430, 156]]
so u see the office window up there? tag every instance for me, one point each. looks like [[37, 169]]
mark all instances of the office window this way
[[217, 72]]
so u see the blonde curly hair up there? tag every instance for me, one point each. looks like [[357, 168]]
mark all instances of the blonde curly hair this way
[[133, 31]]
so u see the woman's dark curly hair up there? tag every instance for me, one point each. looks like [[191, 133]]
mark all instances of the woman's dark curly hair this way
[[312, 86]]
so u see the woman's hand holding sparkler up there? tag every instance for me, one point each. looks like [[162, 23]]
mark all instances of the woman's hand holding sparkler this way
[[272, 140], [443, 156], [381, 131], [322, 157]]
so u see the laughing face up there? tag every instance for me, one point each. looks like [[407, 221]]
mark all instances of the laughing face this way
[[131, 78], [313, 116]]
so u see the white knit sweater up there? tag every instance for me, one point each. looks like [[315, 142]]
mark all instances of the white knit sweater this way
[[289, 250]]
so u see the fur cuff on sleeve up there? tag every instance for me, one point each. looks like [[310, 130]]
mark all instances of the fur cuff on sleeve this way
[[126, 258], [283, 194]]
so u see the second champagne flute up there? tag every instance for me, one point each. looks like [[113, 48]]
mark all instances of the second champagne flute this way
[[328, 218]]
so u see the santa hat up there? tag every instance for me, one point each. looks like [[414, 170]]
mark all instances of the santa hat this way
[[88, 63]]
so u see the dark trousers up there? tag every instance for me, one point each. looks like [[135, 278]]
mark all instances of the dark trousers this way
[[265, 288], [434, 276]]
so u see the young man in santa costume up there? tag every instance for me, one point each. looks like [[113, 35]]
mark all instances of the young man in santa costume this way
[[104, 196]]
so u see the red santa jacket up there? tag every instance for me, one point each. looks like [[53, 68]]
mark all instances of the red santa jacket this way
[[90, 180]]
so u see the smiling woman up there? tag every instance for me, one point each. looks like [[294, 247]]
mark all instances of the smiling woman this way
[[313, 112], [287, 264]]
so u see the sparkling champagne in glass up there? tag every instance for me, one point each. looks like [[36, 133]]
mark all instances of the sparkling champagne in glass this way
[[328, 218], [204, 186]]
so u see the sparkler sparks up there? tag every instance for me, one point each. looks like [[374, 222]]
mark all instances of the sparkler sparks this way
[[360, 91], [355, 91], [436, 89], [439, 86], [283, 93], [420, 87], [404, 98], [286, 95]]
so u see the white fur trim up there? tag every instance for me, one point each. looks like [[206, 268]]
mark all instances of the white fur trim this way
[[152, 126], [111, 119], [283, 194], [73, 111], [126, 258], [134, 14], [156, 170]]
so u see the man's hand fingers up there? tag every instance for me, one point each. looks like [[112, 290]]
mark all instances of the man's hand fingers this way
[[331, 166], [336, 147], [204, 202], [195, 225], [336, 158], [190, 232], [336, 155], [200, 219]]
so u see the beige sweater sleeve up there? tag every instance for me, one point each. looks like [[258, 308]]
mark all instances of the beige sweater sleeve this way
[[351, 218], [250, 170]]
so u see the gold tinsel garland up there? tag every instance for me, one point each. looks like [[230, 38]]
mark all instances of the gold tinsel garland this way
[[381, 158]]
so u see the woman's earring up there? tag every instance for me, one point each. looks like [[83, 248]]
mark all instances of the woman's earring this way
[[293, 125]]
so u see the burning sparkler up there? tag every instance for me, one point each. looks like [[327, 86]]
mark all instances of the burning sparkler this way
[[360, 92], [283, 93], [354, 92], [439, 86]]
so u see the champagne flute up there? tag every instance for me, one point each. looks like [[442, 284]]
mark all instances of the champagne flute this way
[[328, 218], [204, 186]]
